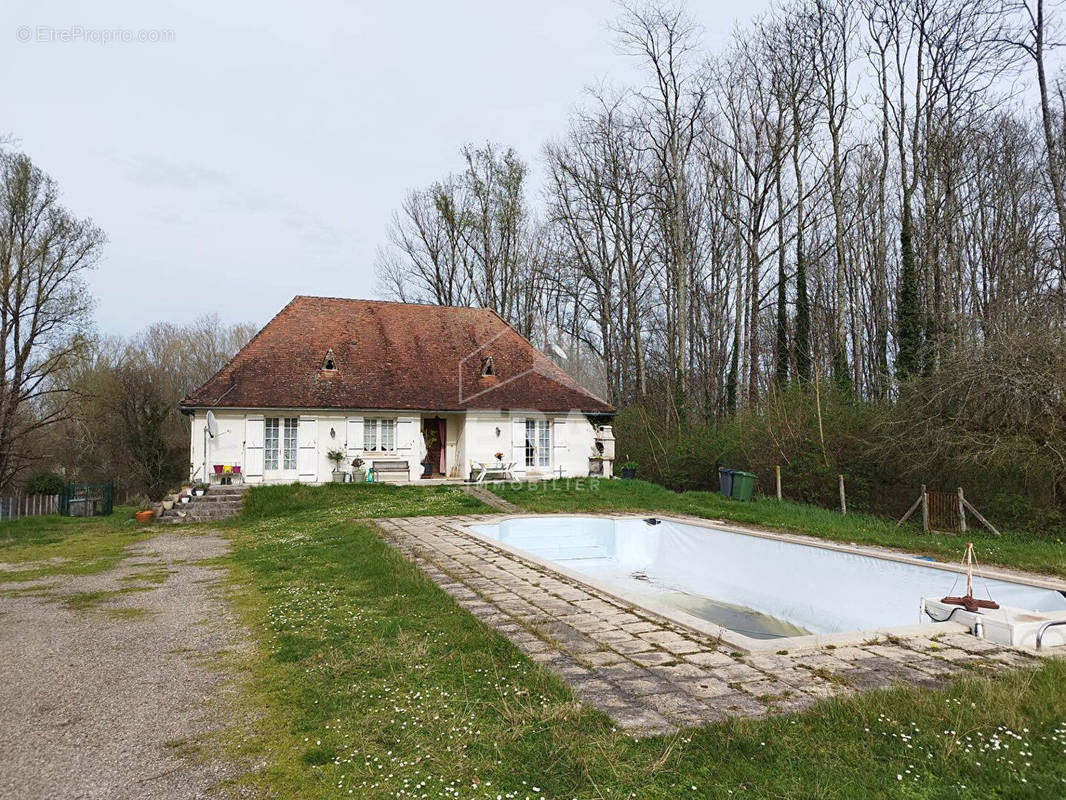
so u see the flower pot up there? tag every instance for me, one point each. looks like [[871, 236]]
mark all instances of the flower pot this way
[[427, 470], [185, 498], [338, 477], [199, 492], [144, 516], [168, 504], [358, 476], [629, 473]]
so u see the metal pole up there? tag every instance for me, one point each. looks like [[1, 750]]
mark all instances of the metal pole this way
[[777, 469], [843, 500]]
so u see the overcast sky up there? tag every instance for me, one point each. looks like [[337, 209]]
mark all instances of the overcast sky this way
[[260, 149]]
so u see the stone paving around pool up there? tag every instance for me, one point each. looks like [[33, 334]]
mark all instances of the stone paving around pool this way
[[649, 675]]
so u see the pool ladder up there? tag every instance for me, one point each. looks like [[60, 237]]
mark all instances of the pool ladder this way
[[1043, 629]]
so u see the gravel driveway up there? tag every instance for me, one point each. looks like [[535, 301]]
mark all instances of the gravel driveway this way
[[119, 700]]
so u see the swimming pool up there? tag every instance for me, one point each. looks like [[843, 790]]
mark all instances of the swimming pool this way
[[748, 585]]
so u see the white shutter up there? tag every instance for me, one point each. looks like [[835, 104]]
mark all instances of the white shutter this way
[[560, 448], [307, 449], [354, 436], [405, 442], [405, 437], [253, 446], [518, 443]]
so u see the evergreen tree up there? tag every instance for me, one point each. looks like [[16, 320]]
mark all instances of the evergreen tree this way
[[908, 315]]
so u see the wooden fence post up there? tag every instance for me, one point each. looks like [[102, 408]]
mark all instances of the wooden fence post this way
[[777, 469], [962, 512], [925, 510], [843, 500]]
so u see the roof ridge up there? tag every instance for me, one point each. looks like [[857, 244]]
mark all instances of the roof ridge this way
[[391, 302]]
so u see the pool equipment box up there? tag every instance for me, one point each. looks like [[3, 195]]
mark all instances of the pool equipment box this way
[[1014, 627]]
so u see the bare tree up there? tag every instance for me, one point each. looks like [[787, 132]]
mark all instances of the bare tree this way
[[44, 312], [1035, 43], [665, 38]]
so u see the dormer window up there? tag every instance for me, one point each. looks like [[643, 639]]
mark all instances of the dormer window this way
[[487, 367], [330, 363]]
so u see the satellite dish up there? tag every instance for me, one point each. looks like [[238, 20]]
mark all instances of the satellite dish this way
[[212, 424]]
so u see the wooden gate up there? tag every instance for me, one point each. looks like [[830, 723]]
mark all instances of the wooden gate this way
[[943, 512]]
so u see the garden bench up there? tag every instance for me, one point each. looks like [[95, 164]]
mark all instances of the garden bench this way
[[397, 470]]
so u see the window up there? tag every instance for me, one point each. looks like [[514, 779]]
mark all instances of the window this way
[[330, 362], [379, 435], [487, 367], [279, 443], [538, 443], [289, 457], [270, 443]]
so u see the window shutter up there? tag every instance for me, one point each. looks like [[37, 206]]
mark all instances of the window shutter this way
[[354, 436], [518, 444], [405, 437], [307, 449], [253, 446], [560, 447]]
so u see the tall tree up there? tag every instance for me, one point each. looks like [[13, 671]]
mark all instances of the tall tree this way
[[44, 304], [665, 38]]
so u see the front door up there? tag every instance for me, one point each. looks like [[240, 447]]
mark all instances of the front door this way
[[433, 432], [279, 448]]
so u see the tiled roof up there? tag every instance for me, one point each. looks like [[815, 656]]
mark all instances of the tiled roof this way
[[390, 356]]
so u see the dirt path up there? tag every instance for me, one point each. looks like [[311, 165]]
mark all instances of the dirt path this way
[[119, 698]]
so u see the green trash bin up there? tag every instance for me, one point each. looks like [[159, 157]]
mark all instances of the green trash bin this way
[[743, 485]]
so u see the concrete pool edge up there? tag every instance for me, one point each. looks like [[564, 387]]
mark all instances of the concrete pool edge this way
[[736, 640]]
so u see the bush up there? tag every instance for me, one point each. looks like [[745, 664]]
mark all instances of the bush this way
[[45, 482], [988, 421]]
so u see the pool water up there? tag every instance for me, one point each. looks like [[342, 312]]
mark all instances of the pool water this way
[[758, 586]]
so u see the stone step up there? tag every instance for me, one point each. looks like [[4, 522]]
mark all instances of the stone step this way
[[220, 502]]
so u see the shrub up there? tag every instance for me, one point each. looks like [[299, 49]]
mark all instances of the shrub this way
[[45, 482], [988, 421]]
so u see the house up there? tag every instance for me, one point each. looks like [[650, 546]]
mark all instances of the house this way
[[397, 382]]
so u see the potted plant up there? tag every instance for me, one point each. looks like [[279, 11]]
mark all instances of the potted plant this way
[[168, 502], [427, 468], [628, 469], [200, 489], [336, 456], [499, 459], [358, 473]]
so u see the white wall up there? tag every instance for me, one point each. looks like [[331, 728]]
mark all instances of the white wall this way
[[228, 446], [472, 436], [482, 441]]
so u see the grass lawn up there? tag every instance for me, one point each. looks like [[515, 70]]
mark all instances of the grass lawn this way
[[368, 681], [1022, 551], [54, 545]]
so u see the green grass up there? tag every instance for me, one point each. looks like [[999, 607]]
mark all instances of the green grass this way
[[370, 682], [340, 501], [55, 545], [367, 681], [1022, 551]]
